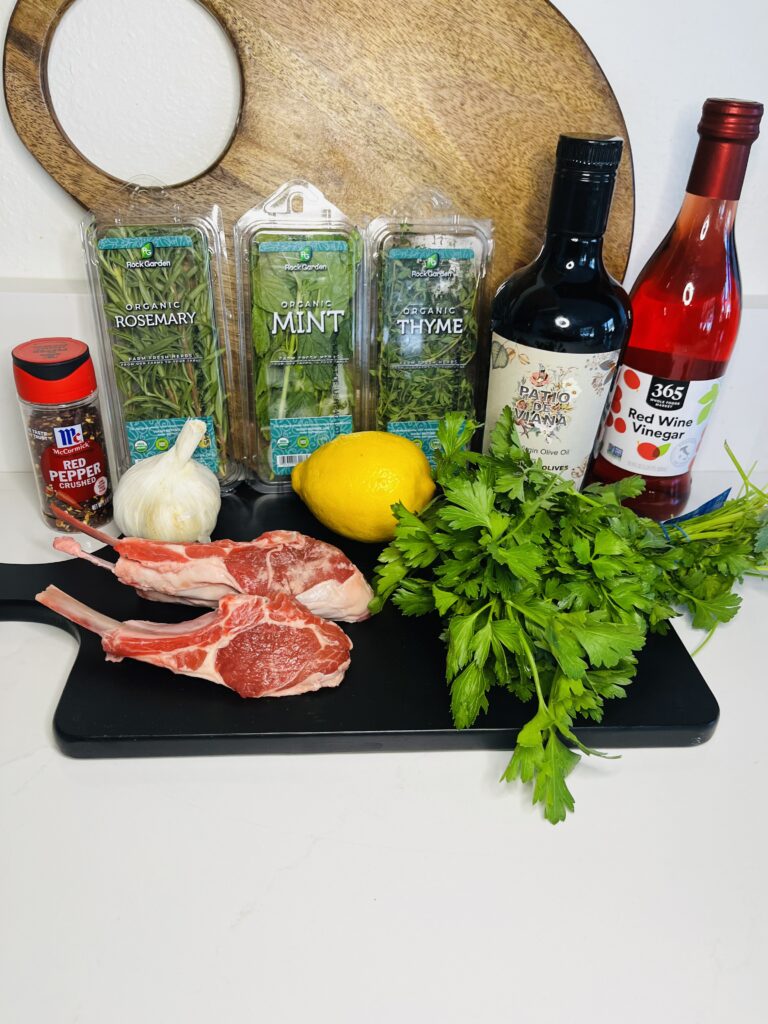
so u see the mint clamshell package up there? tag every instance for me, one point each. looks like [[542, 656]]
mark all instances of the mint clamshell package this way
[[156, 276], [299, 279], [428, 274]]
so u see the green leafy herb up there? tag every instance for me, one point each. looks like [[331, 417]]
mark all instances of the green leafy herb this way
[[550, 593], [427, 332], [167, 356], [302, 329]]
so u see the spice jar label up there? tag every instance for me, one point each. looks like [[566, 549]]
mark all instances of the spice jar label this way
[[75, 473]]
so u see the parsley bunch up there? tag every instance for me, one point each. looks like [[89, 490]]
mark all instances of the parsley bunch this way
[[550, 593]]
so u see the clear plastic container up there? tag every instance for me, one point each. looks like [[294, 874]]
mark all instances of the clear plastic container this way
[[299, 263], [156, 274], [59, 406], [426, 316]]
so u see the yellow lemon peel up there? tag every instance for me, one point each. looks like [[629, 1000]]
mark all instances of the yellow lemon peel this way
[[350, 483]]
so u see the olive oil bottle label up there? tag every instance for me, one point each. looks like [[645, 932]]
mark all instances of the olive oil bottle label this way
[[557, 398], [655, 425]]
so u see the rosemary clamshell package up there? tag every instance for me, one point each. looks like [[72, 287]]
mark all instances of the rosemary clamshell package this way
[[299, 262], [156, 275], [429, 266]]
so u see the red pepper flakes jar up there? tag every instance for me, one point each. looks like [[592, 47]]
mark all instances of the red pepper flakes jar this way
[[59, 404]]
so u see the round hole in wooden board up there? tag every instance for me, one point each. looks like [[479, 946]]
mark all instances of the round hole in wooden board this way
[[144, 90], [372, 101]]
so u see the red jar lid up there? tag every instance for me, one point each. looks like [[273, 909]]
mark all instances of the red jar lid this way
[[51, 371]]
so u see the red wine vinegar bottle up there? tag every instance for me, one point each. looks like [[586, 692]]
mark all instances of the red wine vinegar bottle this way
[[686, 305], [559, 324]]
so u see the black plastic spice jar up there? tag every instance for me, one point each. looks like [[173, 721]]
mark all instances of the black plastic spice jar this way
[[57, 392]]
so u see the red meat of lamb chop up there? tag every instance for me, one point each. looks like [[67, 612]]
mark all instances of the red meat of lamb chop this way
[[257, 646], [318, 575]]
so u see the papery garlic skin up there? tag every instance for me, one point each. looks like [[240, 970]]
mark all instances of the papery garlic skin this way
[[170, 497]]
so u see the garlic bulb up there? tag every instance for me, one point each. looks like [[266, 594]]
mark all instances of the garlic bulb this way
[[170, 497]]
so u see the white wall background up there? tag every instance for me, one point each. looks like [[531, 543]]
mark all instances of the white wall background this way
[[662, 57]]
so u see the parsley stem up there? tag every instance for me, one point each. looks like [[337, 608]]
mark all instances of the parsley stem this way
[[534, 671], [527, 614], [705, 641]]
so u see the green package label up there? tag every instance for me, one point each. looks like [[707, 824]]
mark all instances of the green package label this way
[[166, 352], [294, 440], [421, 432], [427, 334], [152, 437], [302, 331]]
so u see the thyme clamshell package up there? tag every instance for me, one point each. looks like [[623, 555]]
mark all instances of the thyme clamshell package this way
[[299, 277], [429, 266], [156, 278]]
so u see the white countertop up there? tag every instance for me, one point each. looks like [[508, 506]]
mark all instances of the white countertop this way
[[377, 887]]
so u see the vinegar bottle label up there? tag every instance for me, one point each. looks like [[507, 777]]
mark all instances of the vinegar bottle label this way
[[655, 425], [558, 399]]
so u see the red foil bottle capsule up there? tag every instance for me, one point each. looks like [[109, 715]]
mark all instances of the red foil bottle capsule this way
[[56, 385], [686, 306]]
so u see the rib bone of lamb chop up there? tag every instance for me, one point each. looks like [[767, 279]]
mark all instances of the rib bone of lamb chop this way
[[318, 575], [257, 646]]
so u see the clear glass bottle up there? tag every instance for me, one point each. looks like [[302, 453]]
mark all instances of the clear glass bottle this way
[[686, 305], [59, 404]]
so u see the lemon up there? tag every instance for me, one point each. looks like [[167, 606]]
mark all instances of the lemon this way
[[350, 483]]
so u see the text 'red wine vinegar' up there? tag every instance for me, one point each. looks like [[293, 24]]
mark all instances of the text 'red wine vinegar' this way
[[686, 306]]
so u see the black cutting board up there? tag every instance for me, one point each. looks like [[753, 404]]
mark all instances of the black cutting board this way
[[393, 697]]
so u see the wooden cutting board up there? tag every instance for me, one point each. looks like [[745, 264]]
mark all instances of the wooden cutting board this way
[[371, 100]]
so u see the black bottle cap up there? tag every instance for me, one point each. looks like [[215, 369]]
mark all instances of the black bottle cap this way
[[582, 186], [589, 152]]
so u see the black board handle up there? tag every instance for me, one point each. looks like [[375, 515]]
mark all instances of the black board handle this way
[[31, 611]]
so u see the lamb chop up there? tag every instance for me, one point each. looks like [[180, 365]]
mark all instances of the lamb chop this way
[[257, 646], [318, 575]]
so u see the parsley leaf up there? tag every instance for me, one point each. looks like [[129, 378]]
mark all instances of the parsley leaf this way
[[550, 593]]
